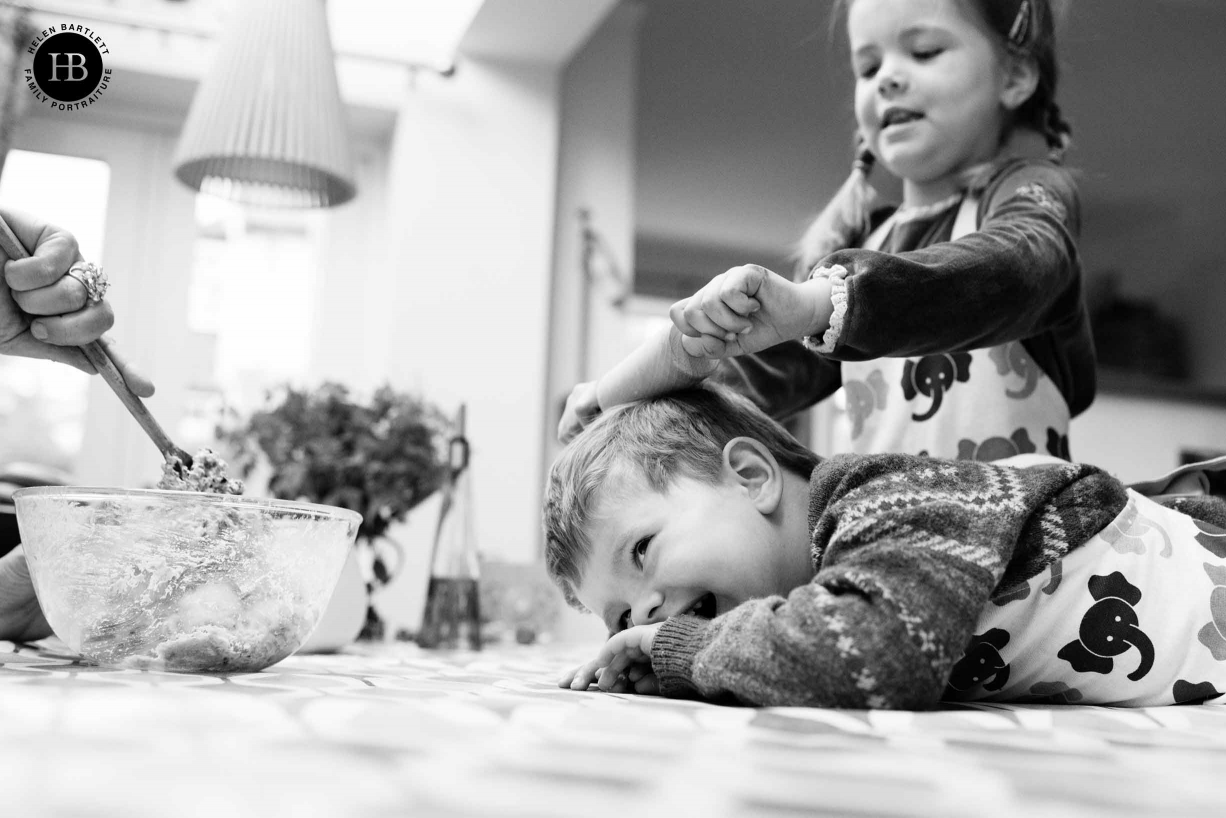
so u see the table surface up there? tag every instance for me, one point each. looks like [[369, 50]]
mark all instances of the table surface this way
[[388, 730]]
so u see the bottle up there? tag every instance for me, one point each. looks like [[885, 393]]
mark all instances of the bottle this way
[[452, 617]]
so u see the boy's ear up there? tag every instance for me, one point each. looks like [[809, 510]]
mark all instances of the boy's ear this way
[[749, 464], [1021, 80]]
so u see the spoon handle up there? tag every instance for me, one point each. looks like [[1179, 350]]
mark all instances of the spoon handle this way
[[96, 353]]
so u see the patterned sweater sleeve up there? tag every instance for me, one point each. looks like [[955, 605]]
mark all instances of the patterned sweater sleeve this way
[[909, 550], [1016, 277]]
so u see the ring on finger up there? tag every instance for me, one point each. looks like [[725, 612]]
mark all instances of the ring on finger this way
[[92, 278]]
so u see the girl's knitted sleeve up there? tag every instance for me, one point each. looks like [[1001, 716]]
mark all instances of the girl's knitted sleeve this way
[[1016, 277], [909, 552]]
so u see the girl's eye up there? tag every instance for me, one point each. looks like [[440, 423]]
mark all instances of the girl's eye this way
[[640, 550]]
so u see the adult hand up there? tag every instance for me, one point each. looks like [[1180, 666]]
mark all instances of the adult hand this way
[[748, 309], [21, 620], [623, 662], [45, 313], [581, 409]]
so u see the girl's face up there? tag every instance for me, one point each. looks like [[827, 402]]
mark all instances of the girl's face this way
[[931, 90]]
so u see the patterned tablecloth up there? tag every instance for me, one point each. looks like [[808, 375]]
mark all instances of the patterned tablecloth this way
[[393, 730]]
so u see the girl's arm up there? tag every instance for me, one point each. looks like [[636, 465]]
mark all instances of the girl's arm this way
[[1018, 276], [782, 380]]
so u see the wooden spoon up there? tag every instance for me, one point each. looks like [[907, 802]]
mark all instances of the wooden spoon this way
[[96, 353]]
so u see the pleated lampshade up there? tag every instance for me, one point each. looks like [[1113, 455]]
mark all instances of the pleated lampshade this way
[[266, 126]]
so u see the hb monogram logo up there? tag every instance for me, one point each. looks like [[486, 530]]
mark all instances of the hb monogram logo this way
[[67, 72]]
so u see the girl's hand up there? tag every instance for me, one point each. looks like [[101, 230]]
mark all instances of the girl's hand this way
[[623, 662], [45, 313], [748, 309], [21, 619]]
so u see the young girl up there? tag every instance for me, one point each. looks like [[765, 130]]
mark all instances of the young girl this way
[[956, 325]]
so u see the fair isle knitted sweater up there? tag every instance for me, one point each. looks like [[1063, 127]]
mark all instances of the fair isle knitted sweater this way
[[907, 551]]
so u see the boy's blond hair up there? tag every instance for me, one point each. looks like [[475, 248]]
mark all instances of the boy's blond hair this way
[[683, 433]]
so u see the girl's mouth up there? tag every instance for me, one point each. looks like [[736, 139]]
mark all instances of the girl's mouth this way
[[898, 116]]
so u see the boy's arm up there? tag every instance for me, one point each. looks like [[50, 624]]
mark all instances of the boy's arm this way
[[659, 365], [910, 551]]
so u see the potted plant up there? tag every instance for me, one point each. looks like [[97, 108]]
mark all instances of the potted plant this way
[[380, 458]]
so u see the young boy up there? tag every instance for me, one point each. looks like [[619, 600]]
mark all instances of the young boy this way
[[732, 564]]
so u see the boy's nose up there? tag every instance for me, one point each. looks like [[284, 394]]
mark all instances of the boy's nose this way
[[648, 609]]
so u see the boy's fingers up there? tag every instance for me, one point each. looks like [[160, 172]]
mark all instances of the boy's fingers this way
[[705, 346], [648, 685], [677, 314], [588, 674]]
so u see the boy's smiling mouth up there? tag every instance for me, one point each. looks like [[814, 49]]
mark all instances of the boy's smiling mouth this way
[[703, 607]]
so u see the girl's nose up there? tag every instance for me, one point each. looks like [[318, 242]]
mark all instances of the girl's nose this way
[[890, 84], [647, 609]]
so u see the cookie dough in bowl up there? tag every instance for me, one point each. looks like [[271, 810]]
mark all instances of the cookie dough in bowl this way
[[181, 580]]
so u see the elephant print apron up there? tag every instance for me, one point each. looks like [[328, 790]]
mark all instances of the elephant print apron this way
[[985, 404], [1117, 621]]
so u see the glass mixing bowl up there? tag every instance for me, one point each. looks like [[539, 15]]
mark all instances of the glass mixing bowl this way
[[178, 580]]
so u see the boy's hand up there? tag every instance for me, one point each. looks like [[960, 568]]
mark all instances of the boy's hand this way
[[748, 309], [581, 408], [624, 661], [21, 620]]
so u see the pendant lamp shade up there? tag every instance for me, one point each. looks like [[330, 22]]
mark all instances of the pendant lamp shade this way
[[266, 126]]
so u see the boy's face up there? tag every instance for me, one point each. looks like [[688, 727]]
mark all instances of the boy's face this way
[[696, 548]]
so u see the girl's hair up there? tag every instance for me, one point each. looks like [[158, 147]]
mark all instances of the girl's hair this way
[[682, 433], [1027, 29]]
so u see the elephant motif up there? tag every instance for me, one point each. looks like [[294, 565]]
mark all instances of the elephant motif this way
[[1212, 538], [1057, 574], [1213, 634], [1014, 593], [982, 663], [1011, 358], [1109, 629], [1126, 534], [1057, 444], [996, 448], [932, 376], [863, 398], [1051, 693], [1185, 692]]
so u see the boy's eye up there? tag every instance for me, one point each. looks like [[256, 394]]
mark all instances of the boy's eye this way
[[623, 621], [925, 54], [866, 72], [640, 550]]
